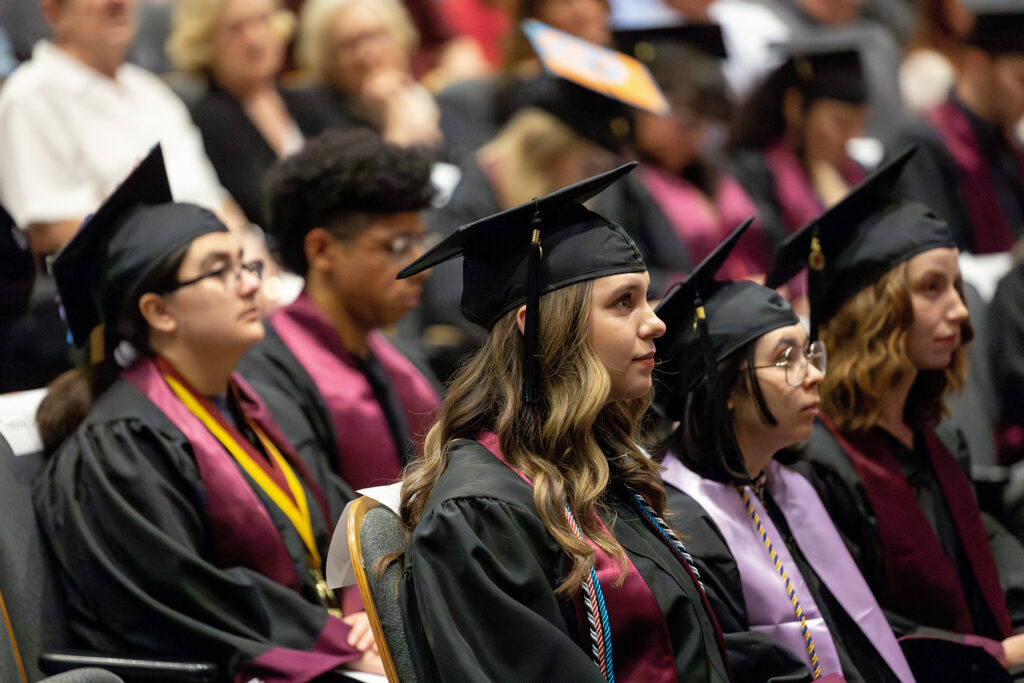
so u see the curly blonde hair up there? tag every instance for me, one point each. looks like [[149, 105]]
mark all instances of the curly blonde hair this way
[[867, 356], [559, 444], [190, 46]]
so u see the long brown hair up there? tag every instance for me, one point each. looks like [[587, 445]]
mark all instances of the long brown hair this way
[[562, 444], [867, 356]]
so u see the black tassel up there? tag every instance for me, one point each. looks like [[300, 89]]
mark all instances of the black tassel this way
[[732, 459], [531, 330]]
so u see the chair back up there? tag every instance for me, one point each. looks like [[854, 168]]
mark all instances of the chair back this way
[[28, 581], [374, 531]]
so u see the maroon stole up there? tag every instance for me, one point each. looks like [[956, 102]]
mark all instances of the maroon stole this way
[[367, 454], [244, 534], [989, 230], [798, 200], [921, 581], [642, 648], [701, 223]]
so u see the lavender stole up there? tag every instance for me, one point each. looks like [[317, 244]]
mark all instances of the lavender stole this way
[[989, 229], [642, 648], [769, 609], [367, 454]]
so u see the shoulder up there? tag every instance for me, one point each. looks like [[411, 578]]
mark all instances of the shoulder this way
[[701, 534], [474, 473]]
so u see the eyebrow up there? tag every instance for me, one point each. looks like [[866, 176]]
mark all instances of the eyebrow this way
[[784, 342], [619, 291], [217, 256]]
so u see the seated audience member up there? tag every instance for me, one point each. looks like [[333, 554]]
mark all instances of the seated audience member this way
[[1006, 350], [76, 118], [970, 166], [932, 58], [345, 212], [884, 286], [532, 498], [358, 52], [741, 382], [183, 522], [680, 169], [788, 141], [248, 122]]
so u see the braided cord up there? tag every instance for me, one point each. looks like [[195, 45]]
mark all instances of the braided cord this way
[[790, 589], [597, 613], [667, 534]]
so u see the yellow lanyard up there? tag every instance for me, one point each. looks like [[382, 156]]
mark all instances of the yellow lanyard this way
[[298, 511]]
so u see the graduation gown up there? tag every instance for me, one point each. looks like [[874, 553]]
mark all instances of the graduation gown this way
[[969, 172], [166, 552], [480, 573], [367, 414], [938, 565], [744, 586]]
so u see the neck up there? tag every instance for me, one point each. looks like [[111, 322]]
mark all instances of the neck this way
[[351, 331], [242, 89], [976, 99], [209, 373], [757, 451], [892, 407], [106, 62]]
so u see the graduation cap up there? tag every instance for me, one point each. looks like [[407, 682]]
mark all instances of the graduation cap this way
[[827, 66], [998, 26], [644, 43], [706, 321], [117, 247], [513, 257], [857, 241]]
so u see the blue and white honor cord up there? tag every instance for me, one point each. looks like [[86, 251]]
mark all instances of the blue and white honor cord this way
[[667, 534], [597, 613]]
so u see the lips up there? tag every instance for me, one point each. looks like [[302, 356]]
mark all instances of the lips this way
[[812, 407], [646, 359], [951, 340]]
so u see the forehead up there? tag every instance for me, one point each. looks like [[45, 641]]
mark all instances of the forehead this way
[[233, 9], [791, 335], [943, 260], [355, 18], [403, 222], [611, 283], [210, 245]]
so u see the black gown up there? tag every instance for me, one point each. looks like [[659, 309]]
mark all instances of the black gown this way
[[478, 587], [124, 507], [753, 656]]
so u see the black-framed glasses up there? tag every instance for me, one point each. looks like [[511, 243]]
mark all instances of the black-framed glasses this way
[[230, 275], [796, 361]]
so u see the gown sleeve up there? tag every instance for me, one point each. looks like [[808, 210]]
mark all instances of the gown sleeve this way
[[123, 508], [478, 598], [753, 657]]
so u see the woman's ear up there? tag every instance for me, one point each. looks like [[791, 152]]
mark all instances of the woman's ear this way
[[317, 244], [521, 319], [793, 108], [154, 310]]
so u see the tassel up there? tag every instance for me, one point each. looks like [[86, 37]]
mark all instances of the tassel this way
[[815, 281], [531, 330], [732, 459]]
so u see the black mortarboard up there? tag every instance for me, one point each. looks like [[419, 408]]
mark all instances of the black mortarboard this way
[[998, 26], [706, 321], [857, 241], [827, 66], [643, 43], [118, 246], [513, 257]]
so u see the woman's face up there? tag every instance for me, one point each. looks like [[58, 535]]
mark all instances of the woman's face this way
[[828, 125], [675, 141], [220, 313], [794, 407], [587, 19], [623, 328], [939, 312], [361, 45], [247, 49]]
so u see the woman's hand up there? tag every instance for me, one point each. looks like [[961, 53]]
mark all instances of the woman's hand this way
[[361, 636], [1013, 648]]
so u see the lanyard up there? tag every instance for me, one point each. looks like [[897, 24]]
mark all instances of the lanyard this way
[[295, 507]]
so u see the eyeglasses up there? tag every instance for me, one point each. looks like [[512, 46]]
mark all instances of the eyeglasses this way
[[401, 246], [796, 361], [230, 275]]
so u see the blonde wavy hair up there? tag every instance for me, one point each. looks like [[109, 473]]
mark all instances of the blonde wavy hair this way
[[867, 356], [190, 46], [313, 49], [558, 444]]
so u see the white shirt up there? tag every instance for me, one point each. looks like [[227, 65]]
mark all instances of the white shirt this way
[[69, 135]]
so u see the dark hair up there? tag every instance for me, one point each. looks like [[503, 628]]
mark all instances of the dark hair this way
[[70, 397], [700, 434], [335, 181], [760, 121]]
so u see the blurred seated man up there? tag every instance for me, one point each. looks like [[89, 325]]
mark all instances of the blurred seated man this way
[[970, 166], [345, 212], [76, 118]]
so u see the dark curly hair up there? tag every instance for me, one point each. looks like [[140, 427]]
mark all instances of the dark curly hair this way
[[337, 181]]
